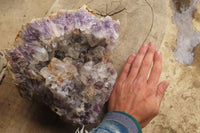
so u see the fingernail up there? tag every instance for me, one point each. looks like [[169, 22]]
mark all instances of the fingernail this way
[[133, 56], [144, 46], [158, 52], [151, 44]]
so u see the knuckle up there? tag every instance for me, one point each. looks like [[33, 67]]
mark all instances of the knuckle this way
[[160, 91], [129, 61], [142, 51], [138, 84], [141, 80], [126, 70], [118, 84], [129, 83], [151, 49], [118, 91], [158, 58], [158, 65], [136, 65]]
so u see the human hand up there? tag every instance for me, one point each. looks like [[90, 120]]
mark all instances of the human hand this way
[[134, 92]]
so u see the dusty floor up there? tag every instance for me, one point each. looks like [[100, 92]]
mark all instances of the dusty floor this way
[[180, 107]]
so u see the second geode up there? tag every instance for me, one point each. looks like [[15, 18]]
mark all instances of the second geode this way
[[64, 61]]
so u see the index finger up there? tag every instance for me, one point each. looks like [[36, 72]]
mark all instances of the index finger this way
[[156, 70]]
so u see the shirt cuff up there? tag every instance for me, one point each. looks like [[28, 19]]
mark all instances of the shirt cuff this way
[[125, 119]]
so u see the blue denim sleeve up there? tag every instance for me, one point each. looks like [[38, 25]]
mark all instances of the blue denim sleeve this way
[[118, 122]]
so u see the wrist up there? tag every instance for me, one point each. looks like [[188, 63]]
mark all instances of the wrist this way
[[131, 118]]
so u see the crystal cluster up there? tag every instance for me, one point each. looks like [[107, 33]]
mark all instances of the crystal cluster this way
[[64, 61]]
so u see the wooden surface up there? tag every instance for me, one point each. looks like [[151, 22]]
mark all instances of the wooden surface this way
[[18, 115]]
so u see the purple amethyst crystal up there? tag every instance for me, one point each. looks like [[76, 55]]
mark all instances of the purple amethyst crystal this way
[[64, 61]]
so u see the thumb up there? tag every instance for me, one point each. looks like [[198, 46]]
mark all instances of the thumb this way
[[161, 90]]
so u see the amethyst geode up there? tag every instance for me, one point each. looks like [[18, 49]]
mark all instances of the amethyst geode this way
[[64, 61]]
